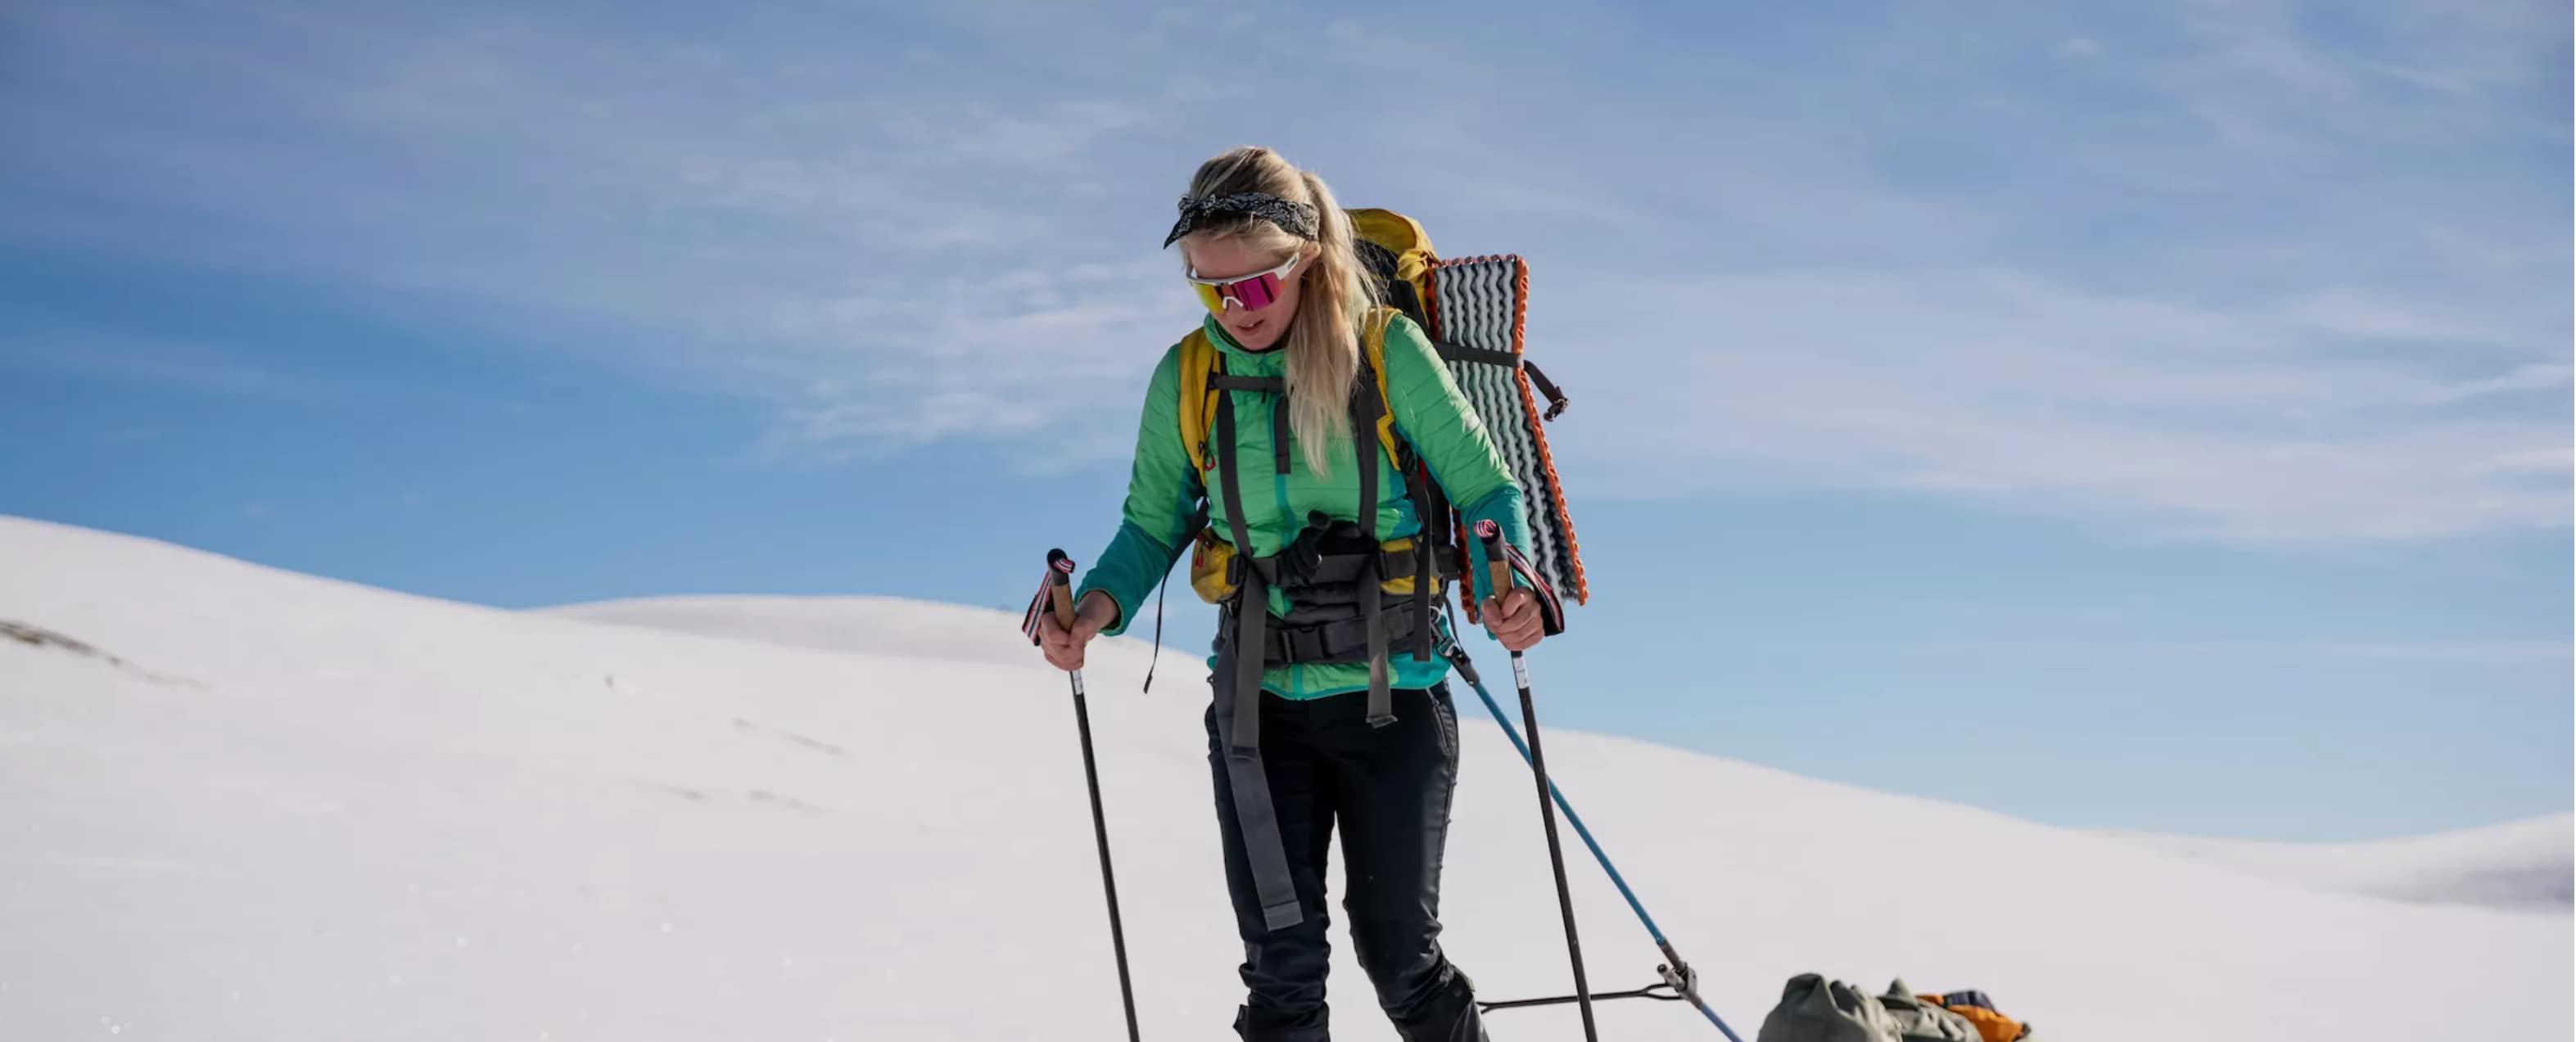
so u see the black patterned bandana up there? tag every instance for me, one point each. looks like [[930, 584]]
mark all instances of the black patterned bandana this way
[[1296, 219]]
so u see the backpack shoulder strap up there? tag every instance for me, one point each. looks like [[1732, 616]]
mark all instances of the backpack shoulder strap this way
[[1373, 355], [1432, 556], [1197, 406], [1199, 362]]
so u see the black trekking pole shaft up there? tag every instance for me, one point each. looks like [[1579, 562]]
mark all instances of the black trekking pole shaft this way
[[1060, 592], [1499, 571]]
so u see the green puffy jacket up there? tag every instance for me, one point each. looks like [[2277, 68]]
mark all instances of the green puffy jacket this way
[[1164, 490]]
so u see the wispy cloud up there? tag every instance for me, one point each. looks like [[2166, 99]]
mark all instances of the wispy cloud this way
[[2225, 423], [161, 362], [2550, 378], [2208, 263], [757, 215]]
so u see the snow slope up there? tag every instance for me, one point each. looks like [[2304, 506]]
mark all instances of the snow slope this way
[[865, 625], [2528, 864], [2518, 864], [248, 804]]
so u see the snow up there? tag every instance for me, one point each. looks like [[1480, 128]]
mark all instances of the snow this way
[[2518, 864], [268, 806], [865, 625]]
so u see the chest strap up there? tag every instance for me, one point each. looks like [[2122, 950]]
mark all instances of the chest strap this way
[[1225, 382]]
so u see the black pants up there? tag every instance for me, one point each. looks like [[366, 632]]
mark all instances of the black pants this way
[[1388, 791]]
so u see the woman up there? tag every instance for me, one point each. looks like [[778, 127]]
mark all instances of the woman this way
[[1340, 733]]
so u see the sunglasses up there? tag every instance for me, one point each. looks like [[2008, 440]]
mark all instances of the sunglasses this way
[[1255, 291]]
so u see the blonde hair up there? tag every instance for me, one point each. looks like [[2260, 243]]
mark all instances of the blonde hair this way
[[1323, 337]]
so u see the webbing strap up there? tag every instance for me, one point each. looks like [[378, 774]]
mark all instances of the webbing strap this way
[[1245, 735], [1231, 382], [1338, 641], [1463, 353], [1278, 416], [1426, 546], [1555, 398], [1256, 817], [1364, 410], [1238, 706]]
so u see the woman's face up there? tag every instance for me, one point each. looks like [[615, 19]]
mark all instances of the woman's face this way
[[1229, 258]]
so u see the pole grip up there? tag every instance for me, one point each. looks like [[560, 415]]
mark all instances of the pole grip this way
[[1060, 587], [1498, 566]]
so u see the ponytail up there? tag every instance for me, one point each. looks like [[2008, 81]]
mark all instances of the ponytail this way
[[1324, 341]]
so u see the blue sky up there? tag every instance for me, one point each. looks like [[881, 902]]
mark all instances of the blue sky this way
[[2122, 415]]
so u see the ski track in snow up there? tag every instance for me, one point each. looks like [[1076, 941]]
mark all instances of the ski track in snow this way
[[367, 815]]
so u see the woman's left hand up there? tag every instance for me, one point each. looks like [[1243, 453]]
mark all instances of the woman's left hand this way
[[1516, 621]]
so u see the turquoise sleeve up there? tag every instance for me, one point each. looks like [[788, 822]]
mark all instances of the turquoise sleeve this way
[[1451, 438], [1163, 492]]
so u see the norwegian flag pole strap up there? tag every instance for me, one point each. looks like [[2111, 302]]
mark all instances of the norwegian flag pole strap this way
[[1058, 584], [1501, 555]]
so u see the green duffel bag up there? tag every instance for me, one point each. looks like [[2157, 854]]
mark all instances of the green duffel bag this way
[[1920, 1021], [1815, 1009]]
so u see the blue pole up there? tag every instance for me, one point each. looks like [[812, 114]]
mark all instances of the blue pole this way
[[1581, 830]]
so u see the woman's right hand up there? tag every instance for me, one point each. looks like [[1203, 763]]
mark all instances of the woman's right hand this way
[[1064, 650]]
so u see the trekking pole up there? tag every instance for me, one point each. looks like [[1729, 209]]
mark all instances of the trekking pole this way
[[1059, 591], [1499, 570]]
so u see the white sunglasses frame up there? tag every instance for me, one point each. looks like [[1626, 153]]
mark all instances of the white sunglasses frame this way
[[1224, 287]]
